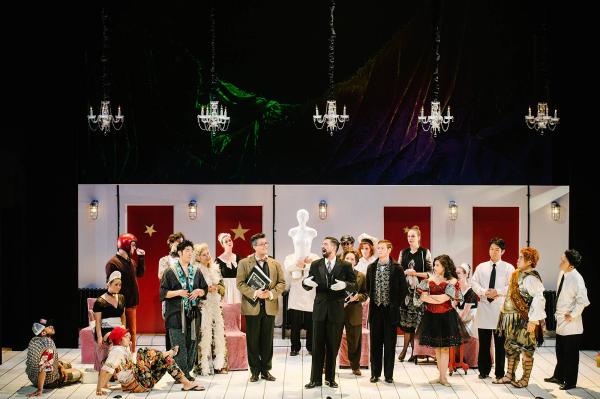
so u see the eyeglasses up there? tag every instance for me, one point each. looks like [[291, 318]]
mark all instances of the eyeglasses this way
[[346, 243], [263, 244]]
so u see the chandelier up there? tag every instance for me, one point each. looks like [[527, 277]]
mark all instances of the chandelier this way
[[331, 120], [213, 117], [542, 120], [105, 119], [435, 122]]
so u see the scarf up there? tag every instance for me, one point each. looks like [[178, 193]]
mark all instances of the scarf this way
[[186, 283]]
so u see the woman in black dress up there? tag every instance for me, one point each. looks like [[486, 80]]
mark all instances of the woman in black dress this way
[[416, 262], [228, 262], [109, 312]]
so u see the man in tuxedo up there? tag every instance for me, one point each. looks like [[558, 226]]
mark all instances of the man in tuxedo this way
[[386, 286], [331, 277], [259, 307]]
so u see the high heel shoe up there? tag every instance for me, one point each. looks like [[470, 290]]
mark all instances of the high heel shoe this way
[[401, 356]]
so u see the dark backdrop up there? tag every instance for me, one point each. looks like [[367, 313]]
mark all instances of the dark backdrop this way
[[272, 69]]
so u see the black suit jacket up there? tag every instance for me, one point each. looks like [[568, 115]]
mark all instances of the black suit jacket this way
[[398, 289], [329, 304]]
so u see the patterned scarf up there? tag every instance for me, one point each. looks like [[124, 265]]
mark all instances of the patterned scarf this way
[[187, 283]]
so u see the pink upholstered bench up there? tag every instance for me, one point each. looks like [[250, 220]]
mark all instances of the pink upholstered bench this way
[[237, 355], [86, 336]]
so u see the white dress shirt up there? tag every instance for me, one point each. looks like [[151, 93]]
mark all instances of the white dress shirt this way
[[363, 263], [572, 299], [537, 308], [489, 312]]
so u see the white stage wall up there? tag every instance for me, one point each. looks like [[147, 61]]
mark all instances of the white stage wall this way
[[351, 210]]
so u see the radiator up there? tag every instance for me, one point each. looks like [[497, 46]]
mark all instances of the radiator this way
[[84, 294]]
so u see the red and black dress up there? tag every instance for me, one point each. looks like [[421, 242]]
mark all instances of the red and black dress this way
[[441, 326]]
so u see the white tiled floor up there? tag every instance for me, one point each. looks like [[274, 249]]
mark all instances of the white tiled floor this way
[[411, 381]]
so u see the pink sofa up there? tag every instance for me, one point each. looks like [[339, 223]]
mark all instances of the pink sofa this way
[[364, 344], [237, 355], [86, 336]]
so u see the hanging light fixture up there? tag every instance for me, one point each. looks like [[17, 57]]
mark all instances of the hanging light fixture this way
[[542, 121], [331, 120], [213, 117], [105, 120], [436, 122]]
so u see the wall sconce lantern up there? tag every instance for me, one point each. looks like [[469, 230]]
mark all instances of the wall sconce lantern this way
[[323, 210], [555, 211], [193, 209], [453, 210], [93, 209]]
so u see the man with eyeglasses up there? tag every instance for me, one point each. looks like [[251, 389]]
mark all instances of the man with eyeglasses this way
[[259, 307]]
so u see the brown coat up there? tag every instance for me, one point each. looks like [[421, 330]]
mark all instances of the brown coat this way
[[353, 310], [277, 286]]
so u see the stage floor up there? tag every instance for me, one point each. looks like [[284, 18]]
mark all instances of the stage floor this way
[[410, 380]]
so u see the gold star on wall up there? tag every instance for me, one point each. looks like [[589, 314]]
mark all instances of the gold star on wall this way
[[239, 232], [150, 230]]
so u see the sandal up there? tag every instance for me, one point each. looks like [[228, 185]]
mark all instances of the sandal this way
[[194, 388], [503, 380]]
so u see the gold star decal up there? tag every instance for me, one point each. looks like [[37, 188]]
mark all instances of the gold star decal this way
[[239, 232], [150, 230]]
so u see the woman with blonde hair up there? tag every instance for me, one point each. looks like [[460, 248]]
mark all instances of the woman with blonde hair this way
[[212, 350], [416, 263]]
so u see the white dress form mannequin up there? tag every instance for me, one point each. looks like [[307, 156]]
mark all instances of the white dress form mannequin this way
[[302, 237]]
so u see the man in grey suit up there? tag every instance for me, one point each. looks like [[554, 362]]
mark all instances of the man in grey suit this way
[[331, 277]]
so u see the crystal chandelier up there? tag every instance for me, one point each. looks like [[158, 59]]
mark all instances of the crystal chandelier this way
[[331, 120], [542, 120], [105, 119], [213, 117], [435, 122]]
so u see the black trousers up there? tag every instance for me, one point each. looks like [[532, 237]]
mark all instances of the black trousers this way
[[567, 358], [299, 320], [383, 342], [354, 343], [327, 337], [484, 360], [259, 340]]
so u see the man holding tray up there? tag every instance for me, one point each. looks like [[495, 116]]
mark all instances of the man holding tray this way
[[261, 281]]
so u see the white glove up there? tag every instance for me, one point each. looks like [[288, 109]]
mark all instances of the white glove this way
[[309, 281], [339, 285]]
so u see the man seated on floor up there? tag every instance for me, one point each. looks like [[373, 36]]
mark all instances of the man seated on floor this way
[[141, 376], [42, 366]]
